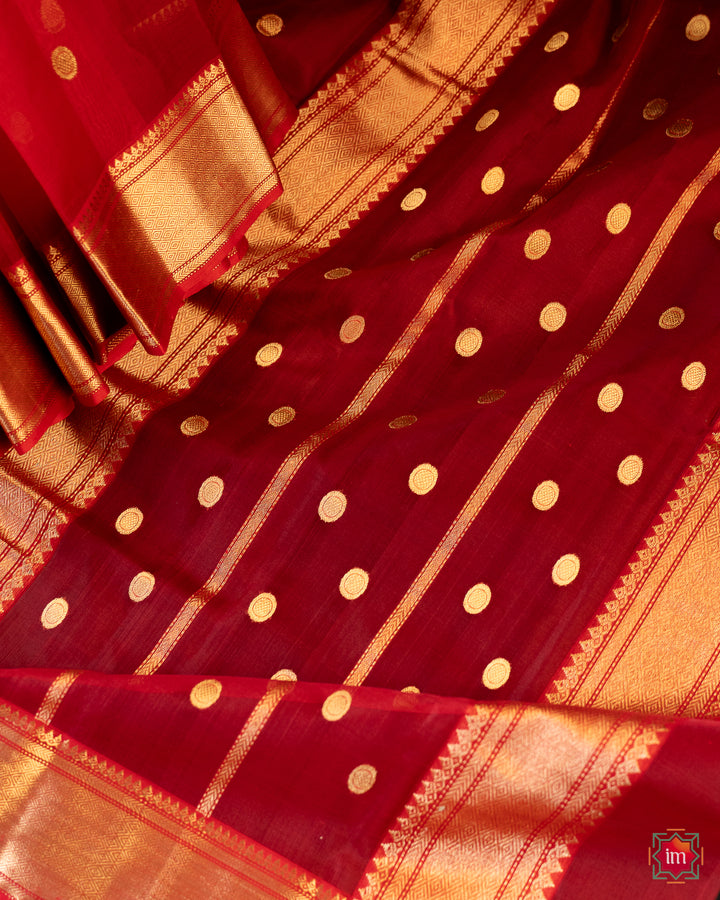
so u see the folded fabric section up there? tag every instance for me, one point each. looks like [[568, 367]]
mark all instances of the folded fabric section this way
[[136, 146]]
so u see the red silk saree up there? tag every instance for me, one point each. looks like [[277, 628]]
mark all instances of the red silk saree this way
[[391, 570]]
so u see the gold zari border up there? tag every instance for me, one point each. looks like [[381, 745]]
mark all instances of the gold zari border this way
[[654, 646], [73, 825], [498, 813]]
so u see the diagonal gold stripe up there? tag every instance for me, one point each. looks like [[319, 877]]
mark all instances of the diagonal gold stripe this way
[[55, 695], [257, 720], [528, 424]]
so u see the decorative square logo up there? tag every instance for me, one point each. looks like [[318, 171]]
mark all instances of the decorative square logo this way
[[675, 855]]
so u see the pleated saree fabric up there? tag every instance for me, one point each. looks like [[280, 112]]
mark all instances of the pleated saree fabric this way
[[395, 574]]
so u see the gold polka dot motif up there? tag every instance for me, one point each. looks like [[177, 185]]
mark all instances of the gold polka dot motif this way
[[410, 689], [545, 495], [64, 63], [672, 317], [129, 520], [210, 492], [493, 180], [281, 416], [693, 376], [697, 28], [403, 421], [205, 693], [423, 478], [537, 244], [496, 673], [415, 198], [354, 583], [54, 613], [340, 272], [269, 25], [477, 599], [336, 705], [351, 329], [487, 119], [332, 506], [716, 231], [557, 41], [553, 316], [52, 16], [566, 569], [653, 109], [419, 255], [610, 397], [141, 586], [630, 469], [680, 128], [468, 342], [618, 218], [566, 97], [193, 425], [284, 675], [262, 607], [269, 354], [362, 778], [491, 396]]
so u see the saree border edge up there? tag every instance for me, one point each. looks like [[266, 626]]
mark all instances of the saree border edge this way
[[132, 814]]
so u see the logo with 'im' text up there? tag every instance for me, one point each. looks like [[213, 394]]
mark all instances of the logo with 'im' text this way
[[675, 855]]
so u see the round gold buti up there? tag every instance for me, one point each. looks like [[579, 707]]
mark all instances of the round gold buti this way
[[403, 421], [697, 28], [362, 778], [281, 416], [211, 490], [496, 673], [618, 218], [64, 63], [415, 198], [679, 128], [493, 180], [553, 316], [205, 693], [619, 31], [410, 689], [419, 255], [262, 607], [610, 397], [141, 586], [52, 16], [284, 675], [545, 495], [566, 97], [351, 329], [354, 583], [537, 244], [269, 354], [558, 40], [716, 231], [653, 109], [332, 506], [491, 396], [423, 478], [630, 469], [54, 613], [566, 569], [693, 376], [671, 318], [336, 705], [487, 119], [129, 520], [269, 25], [339, 272], [477, 599], [193, 425], [468, 342]]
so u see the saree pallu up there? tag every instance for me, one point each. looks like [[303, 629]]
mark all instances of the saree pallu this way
[[396, 576]]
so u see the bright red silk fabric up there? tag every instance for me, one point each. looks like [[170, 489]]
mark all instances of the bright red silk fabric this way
[[466, 409]]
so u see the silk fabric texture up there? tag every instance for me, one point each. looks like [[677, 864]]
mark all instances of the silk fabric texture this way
[[412, 594]]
